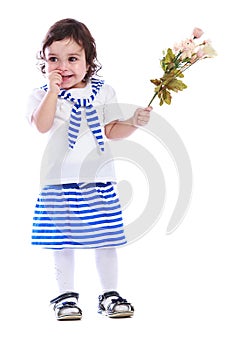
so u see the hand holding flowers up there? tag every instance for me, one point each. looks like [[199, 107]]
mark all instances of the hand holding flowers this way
[[176, 61]]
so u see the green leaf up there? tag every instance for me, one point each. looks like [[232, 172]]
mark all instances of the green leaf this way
[[167, 62], [167, 97], [170, 56], [161, 101], [163, 65], [176, 85], [156, 81], [157, 88], [180, 74]]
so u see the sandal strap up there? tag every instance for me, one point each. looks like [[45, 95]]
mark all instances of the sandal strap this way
[[108, 295], [117, 300], [64, 296], [111, 307], [66, 304]]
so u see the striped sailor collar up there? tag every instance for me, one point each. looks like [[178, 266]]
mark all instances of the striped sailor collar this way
[[91, 113]]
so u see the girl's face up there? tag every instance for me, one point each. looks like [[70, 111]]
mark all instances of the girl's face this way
[[69, 59]]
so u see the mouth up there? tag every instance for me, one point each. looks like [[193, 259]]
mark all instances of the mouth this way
[[67, 77]]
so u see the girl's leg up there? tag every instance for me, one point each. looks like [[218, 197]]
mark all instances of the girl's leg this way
[[66, 304], [107, 267], [64, 269]]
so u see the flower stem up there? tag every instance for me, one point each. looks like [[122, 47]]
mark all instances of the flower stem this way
[[155, 94], [186, 66]]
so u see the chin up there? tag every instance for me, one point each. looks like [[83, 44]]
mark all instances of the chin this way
[[66, 86]]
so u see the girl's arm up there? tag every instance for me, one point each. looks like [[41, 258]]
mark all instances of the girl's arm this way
[[43, 116], [121, 129]]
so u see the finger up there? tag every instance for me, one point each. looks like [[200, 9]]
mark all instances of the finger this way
[[142, 120], [144, 117], [56, 71]]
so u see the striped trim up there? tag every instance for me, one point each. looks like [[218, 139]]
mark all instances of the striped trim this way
[[91, 114], [78, 216]]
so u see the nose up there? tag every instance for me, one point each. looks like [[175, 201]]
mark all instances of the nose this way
[[62, 65]]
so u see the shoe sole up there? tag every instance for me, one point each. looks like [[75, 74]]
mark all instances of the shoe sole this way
[[117, 314], [69, 318]]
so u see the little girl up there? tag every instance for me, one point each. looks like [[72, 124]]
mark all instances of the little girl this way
[[78, 206]]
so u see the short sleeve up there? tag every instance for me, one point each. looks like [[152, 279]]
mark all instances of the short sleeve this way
[[34, 100], [112, 110]]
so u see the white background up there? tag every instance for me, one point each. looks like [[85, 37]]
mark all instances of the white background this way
[[181, 284]]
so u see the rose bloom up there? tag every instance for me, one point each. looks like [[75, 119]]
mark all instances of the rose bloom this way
[[208, 50], [187, 48], [197, 32], [200, 53]]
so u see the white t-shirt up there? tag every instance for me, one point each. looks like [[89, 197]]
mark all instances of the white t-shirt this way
[[85, 162]]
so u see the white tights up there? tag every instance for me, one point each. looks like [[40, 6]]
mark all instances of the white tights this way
[[106, 264]]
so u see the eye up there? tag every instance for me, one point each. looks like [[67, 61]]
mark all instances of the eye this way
[[52, 59], [73, 59]]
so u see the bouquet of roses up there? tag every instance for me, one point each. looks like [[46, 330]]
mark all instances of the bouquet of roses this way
[[176, 61]]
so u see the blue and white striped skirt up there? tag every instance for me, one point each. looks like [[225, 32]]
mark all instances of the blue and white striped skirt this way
[[78, 216]]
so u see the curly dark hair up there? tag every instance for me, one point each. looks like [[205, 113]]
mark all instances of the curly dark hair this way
[[70, 28]]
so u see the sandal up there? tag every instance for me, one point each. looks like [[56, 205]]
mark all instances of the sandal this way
[[67, 310], [111, 304]]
